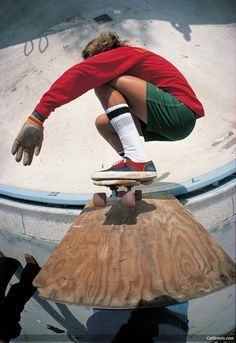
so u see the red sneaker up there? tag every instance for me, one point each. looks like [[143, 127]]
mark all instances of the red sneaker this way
[[127, 169]]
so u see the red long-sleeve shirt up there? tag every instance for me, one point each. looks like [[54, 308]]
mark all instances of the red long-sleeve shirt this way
[[129, 60]]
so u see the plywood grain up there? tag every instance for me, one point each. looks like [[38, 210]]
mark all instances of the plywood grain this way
[[153, 254]]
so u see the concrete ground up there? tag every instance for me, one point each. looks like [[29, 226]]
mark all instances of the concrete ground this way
[[40, 40]]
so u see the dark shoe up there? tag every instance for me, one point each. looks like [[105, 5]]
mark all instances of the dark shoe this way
[[127, 169]]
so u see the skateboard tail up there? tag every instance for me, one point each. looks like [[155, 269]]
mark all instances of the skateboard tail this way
[[159, 301]]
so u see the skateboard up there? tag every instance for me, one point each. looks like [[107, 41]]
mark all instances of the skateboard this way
[[155, 254], [128, 197]]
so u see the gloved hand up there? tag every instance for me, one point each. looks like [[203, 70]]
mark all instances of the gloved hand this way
[[28, 142]]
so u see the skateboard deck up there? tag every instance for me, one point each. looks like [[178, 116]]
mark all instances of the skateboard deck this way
[[154, 254], [122, 182]]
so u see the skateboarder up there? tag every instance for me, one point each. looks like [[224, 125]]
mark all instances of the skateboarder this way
[[142, 95]]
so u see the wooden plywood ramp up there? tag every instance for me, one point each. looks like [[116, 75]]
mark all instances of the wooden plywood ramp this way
[[154, 254]]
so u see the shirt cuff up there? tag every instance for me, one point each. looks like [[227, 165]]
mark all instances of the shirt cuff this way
[[37, 118]]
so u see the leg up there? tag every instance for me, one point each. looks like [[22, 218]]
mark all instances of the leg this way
[[124, 101], [8, 267], [121, 128], [13, 304], [130, 90], [107, 131], [22, 291]]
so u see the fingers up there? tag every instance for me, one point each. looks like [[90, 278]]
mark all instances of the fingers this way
[[19, 154], [38, 149], [18, 150], [28, 156], [15, 147]]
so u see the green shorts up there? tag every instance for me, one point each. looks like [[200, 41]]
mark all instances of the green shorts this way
[[168, 119]]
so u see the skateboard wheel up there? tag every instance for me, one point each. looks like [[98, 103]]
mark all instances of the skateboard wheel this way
[[138, 195], [99, 199], [121, 193], [128, 199]]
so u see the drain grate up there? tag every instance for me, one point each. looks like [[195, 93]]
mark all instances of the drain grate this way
[[101, 19]]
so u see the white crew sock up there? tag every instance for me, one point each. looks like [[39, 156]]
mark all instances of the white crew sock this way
[[123, 123]]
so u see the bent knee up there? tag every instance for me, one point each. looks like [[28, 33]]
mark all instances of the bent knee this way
[[101, 121]]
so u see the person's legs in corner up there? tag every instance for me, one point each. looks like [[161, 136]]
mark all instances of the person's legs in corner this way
[[13, 303], [8, 267], [22, 291]]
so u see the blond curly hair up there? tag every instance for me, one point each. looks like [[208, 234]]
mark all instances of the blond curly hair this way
[[106, 40]]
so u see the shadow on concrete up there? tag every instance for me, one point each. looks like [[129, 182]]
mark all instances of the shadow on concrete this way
[[62, 315], [163, 323], [169, 324], [24, 21]]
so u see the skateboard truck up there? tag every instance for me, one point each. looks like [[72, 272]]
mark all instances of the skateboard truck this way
[[128, 197]]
